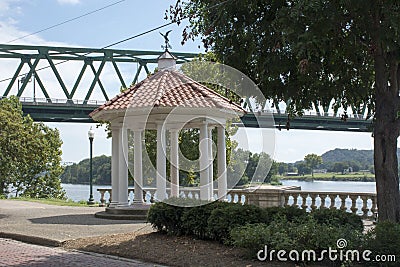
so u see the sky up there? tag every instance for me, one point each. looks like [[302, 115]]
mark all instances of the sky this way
[[120, 20]]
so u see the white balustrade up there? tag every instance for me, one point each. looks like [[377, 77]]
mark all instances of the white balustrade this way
[[362, 204]]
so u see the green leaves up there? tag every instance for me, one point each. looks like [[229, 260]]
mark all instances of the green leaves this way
[[30, 154]]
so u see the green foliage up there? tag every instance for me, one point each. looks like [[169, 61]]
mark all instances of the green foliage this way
[[30, 154], [195, 220], [308, 53], [312, 161], [223, 219], [300, 235], [79, 173], [166, 218], [338, 217], [289, 213], [384, 239]]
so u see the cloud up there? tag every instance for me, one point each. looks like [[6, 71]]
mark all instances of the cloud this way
[[68, 2]]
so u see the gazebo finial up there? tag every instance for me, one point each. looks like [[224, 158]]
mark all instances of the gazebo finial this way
[[167, 45]]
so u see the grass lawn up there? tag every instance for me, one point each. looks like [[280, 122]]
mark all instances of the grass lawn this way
[[52, 201]]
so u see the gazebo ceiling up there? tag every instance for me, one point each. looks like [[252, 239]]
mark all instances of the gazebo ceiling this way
[[162, 92]]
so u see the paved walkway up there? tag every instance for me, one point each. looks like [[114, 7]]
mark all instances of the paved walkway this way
[[50, 225], [15, 253]]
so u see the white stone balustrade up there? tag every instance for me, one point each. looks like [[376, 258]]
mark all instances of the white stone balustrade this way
[[362, 204], [234, 195]]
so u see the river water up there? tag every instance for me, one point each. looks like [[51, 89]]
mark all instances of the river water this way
[[78, 192]]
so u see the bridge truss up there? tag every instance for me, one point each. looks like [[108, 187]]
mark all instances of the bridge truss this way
[[27, 63]]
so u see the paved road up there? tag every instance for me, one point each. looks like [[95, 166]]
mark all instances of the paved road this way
[[15, 253]]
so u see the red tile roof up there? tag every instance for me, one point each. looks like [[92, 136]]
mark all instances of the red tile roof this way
[[169, 88]]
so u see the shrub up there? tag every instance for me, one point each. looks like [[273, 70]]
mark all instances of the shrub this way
[[195, 220], [166, 216], [291, 213], [283, 235], [337, 217], [384, 239], [223, 219]]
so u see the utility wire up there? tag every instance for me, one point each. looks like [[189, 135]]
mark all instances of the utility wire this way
[[67, 21]]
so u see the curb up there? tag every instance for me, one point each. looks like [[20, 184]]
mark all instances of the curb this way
[[32, 239]]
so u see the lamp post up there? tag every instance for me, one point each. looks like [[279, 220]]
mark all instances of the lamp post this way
[[91, 137]]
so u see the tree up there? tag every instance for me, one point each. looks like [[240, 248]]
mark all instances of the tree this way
[[282, 168], [312, 161], [79, 173], [303, 168], [314, 51], [259, 167], [340, 167], [30, 154]]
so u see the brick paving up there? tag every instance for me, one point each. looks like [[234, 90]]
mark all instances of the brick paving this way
[[15, 253]]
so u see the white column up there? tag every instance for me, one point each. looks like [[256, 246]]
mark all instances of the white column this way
[[114, 167], [174, 163], [221, 157], [210, 168], [137, 167], [161, 164], [123, 167], [204, 171]]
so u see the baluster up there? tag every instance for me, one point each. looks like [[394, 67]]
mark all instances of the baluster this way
[[308, 202], [375, 209], [102, 200], [369, 207], [343, 202], [338, 202], [358, 206], [235, 198], [290, 201], [354, 207], [304, 202], [242, 199], [318, 202], [349, 204], [299, 200], [364, 206], [314, 201]]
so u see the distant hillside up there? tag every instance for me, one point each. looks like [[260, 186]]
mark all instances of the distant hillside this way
[[364, 157]]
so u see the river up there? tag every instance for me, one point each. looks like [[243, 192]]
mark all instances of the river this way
[[77, 192]]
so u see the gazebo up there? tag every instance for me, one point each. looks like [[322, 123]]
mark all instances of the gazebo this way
[[166, 101]]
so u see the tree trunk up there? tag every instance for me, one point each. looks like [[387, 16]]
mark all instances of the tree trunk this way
[[386, 170], [386, 132]]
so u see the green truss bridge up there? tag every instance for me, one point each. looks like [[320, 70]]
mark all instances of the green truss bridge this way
[[47, 80]]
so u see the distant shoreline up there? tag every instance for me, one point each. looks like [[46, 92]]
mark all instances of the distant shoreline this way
[[332, 179]]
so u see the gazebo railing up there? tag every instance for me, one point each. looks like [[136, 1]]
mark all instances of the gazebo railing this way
[[234, 195]]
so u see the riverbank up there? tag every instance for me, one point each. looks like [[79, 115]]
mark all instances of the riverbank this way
[[351, 177]]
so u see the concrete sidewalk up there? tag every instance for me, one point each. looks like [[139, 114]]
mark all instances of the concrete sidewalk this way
[[51, 225]]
